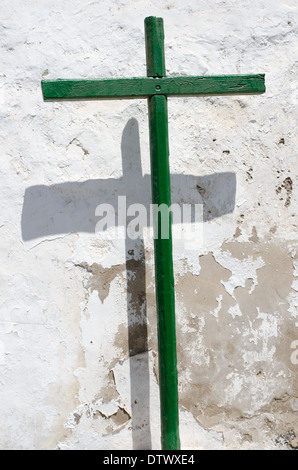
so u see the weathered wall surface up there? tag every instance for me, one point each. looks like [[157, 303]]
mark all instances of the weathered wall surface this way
[[78, 351]]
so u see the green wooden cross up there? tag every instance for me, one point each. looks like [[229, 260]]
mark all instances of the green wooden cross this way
[[156, 87]]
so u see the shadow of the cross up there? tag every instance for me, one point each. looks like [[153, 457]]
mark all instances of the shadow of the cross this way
[[70, 207]]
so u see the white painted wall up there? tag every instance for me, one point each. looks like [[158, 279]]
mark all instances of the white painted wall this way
[[73, 302]]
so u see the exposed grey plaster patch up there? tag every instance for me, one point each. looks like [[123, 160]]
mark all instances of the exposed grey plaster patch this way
[[121, 417], [213, 347], [254, 236], [101, 277], [118, 415], [109, 391], [237, 233]]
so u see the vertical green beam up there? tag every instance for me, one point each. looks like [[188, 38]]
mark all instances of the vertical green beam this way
[[164, 273]]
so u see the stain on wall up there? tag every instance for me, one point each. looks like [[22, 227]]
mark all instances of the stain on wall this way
[[78, 329]]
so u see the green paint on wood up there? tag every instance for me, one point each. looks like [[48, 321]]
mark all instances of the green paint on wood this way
[[156, 87], [145, 87], [164, 272], [155, 51], [164, 275]]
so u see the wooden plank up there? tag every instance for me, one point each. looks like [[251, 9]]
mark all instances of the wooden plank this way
[[155, 53], [145, 87], [164, 270]]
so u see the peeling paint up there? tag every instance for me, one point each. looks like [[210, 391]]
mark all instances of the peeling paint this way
[[101, 277], [78, 330]]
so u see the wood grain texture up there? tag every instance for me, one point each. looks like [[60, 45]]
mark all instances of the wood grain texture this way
[[164, 270], [146, 86], [164, 273], [155, 53]]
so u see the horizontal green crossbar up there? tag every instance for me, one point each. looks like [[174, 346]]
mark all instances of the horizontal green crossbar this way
[[144, 87]]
